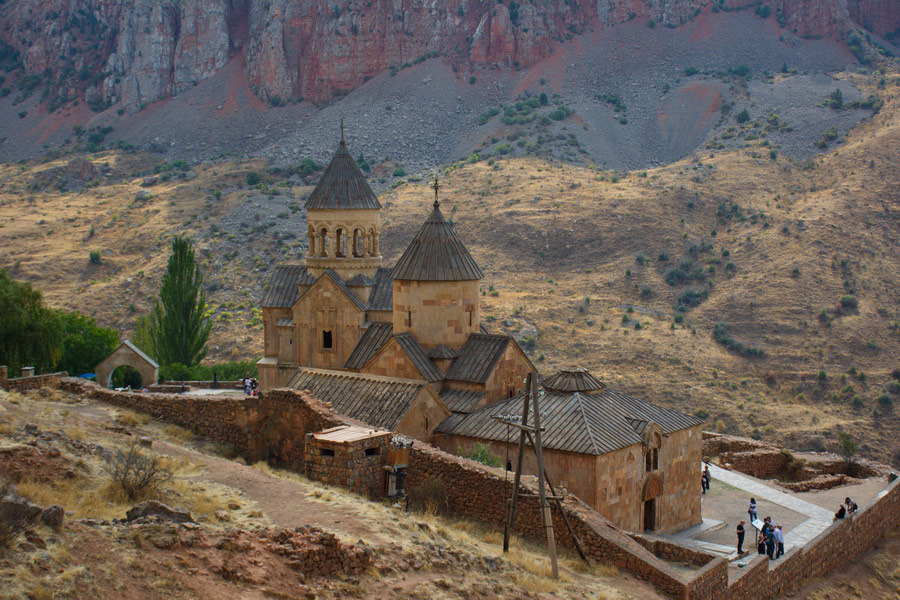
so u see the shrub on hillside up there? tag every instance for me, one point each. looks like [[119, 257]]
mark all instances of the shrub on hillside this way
[[253, 178], [94, 257], [135, 473], [743, 116], [722, 336]]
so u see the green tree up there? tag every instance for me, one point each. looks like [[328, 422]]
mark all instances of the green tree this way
[[847, 447], [30, 333], [84, 343], [177, 328]]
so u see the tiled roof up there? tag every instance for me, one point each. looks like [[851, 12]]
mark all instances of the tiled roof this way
[[140, 353], [283, 322], [575, 422], [417, 355], [436, 254], [573, 380], [371, 342], [373, 399], [478, 357], [382, 295], [461, 401], [342, 186], [282, 290]]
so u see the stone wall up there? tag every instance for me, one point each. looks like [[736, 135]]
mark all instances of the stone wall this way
[[757, 463], [831, 550], [21, 384], [274, 427], [443, 312], [350, 465]]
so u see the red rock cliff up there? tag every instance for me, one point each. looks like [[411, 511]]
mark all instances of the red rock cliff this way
[[138, 51]]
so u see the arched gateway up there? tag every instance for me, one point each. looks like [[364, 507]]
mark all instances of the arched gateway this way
[[130, 355]]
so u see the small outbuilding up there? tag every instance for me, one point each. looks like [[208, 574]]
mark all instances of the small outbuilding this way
[[127, 354], [349, 456]]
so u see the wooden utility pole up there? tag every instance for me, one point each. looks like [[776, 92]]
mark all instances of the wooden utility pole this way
[[525, 431]]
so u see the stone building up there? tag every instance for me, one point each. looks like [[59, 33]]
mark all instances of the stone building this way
[[636, 463], [342, 310], [403, 349]]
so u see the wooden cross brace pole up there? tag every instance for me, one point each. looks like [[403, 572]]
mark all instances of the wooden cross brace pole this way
[[545, 505], [511, 514]]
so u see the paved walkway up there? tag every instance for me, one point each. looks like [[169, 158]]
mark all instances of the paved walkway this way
[[819, 518]]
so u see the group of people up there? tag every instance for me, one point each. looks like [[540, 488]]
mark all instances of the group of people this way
[[847, 508], [251, 386], [771, 537]]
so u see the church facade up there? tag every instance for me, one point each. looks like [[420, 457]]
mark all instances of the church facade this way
[[403, 349]]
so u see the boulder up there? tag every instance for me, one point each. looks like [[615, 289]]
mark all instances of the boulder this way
[[53, 516], [17, 509], [152, 508], [143, 195], [145, 441]]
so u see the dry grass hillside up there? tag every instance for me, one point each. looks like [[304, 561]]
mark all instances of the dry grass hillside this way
[[576, 263]]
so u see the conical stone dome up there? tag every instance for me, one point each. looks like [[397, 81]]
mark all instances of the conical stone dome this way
[[436, 254], [342, 186], [573, 379]]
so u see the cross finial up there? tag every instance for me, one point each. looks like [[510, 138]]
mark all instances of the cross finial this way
[[436, 186], [342, 130]]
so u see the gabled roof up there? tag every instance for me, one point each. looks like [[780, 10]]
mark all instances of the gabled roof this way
[[436, 254], [575, 422], [573, 379], [373, 399], [284, 322], [360, 280], [342, 185], [461, 401], [442, 351], [282, 290], [382, 295], [417, 355], [371, 342], [478, 357], [341, 286], [140, 353]]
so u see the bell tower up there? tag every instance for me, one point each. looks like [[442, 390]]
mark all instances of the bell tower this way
[[343, 220]]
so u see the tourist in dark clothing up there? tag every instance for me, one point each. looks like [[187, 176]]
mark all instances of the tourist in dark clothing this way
[[770, 542], [740, 534], [841, 513], [704, 479], [761, 544]]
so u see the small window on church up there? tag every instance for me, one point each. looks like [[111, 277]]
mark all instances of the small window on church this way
[[326, 340], [470, 318], [409, 318]]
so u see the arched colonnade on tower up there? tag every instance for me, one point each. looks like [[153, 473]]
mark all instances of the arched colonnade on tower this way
[[343, 241]]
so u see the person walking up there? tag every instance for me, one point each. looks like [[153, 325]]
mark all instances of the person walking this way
[[740, 534], [704, 479], [779, 542], [752, 509]]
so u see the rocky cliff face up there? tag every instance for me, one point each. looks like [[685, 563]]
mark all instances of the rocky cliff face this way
[[132, 52]]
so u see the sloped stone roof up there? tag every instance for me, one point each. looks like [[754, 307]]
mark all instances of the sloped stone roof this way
[[573, 379], [436, 254], [342, 186]]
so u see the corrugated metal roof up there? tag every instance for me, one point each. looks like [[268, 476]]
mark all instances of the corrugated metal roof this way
[[417, 355], [573, 380], [342, 185], [283, 322], [574, 422], [442, 351], [436, 254], [382, 295], [461, 401], [373, 399], [371, 341], [282, 290], [478, 357], [344, 434]]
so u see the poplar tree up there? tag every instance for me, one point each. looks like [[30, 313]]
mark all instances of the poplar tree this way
[[178, 328]]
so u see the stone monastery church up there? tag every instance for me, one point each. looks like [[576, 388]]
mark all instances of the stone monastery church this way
[[403, 349]]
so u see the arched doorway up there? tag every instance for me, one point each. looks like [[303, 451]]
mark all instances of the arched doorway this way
[[125, 376], [129, 355]]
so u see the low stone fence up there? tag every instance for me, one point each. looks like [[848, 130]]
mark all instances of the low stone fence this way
[[21, 384], [273, 427], [841, 543], [760, 463]]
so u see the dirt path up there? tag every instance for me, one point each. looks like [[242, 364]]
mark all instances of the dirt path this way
[[286, 502]]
